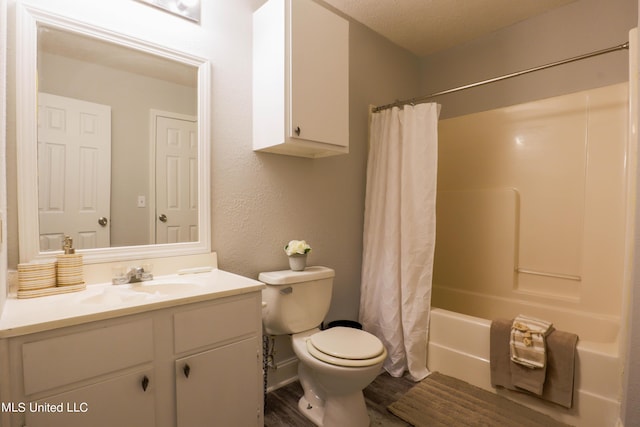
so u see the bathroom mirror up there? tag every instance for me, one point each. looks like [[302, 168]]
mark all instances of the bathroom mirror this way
[[112, 143]]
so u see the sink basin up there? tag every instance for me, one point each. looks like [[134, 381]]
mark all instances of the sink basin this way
[[138, 293], [165, 288], [111, 296]]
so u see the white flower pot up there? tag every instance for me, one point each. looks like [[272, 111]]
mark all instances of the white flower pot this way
[[298, 262]]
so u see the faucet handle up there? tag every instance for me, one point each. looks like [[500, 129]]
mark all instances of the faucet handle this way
[[135, 272], [119, 275], [146, 272]]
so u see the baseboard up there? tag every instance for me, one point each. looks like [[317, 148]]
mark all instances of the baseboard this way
[[285, 372]]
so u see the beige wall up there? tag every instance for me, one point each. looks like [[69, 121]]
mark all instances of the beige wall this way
[[579, 27]]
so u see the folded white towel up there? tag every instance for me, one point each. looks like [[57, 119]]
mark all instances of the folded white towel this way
[[527, 344]]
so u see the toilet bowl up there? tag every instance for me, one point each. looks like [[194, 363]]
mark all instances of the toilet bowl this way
[[333, 371], [336, 364]]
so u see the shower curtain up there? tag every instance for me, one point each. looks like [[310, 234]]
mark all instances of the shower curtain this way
[[399, 234]]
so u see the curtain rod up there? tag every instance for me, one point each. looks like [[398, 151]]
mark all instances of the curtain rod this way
[[504, 77]]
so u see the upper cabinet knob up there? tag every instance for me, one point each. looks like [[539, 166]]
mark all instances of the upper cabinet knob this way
[[297, 130]]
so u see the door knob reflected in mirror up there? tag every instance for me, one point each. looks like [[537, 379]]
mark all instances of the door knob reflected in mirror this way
[[103, 221], [163, 218]]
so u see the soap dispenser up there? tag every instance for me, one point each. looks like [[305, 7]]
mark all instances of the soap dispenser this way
[[69, 265]]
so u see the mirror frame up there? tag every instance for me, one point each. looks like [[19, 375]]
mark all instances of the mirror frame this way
[[27, 20]]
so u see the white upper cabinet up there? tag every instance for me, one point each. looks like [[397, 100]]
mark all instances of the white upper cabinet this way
[[300, 79]]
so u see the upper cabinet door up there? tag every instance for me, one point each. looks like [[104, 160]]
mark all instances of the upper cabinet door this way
[[319, 74], [300, 79]]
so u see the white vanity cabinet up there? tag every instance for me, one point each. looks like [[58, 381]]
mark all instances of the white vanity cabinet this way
[[195, 364], [300, 79]]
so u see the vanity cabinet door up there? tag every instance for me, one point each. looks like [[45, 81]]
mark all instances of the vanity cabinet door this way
[[127, 400], [220, 387]]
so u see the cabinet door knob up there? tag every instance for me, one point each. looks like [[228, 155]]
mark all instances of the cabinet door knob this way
[[186, 370], [297, 130], [145, 383]]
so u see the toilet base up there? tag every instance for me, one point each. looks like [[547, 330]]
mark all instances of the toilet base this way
[[338, 411], [314, 413]]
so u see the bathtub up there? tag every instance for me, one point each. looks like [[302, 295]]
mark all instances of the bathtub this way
[[459, 347]]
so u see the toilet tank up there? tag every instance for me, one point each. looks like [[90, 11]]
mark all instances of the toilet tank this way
[[295, 301]]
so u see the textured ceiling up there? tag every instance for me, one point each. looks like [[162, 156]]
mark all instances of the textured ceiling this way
[[427, 26]]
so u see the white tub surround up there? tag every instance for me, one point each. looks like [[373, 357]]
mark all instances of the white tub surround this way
[[527, 231]]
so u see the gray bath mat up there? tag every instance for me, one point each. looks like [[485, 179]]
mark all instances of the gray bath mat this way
[[439, 400]]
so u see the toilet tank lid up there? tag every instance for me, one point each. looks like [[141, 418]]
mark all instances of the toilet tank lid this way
[[288, 277]]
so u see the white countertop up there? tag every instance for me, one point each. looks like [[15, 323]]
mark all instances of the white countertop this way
[[105, 301]]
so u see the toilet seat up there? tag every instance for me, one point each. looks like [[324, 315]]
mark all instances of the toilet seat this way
[[347, 347]]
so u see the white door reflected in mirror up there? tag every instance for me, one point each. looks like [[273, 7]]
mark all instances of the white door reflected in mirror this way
[[176, 180], [74, 172]]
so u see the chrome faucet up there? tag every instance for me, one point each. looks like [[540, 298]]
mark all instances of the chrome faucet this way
[[134, 275]]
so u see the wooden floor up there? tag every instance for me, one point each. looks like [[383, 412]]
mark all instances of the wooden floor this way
[[282, 404]]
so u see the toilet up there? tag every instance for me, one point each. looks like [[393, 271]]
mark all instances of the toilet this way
[[335, 364]]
